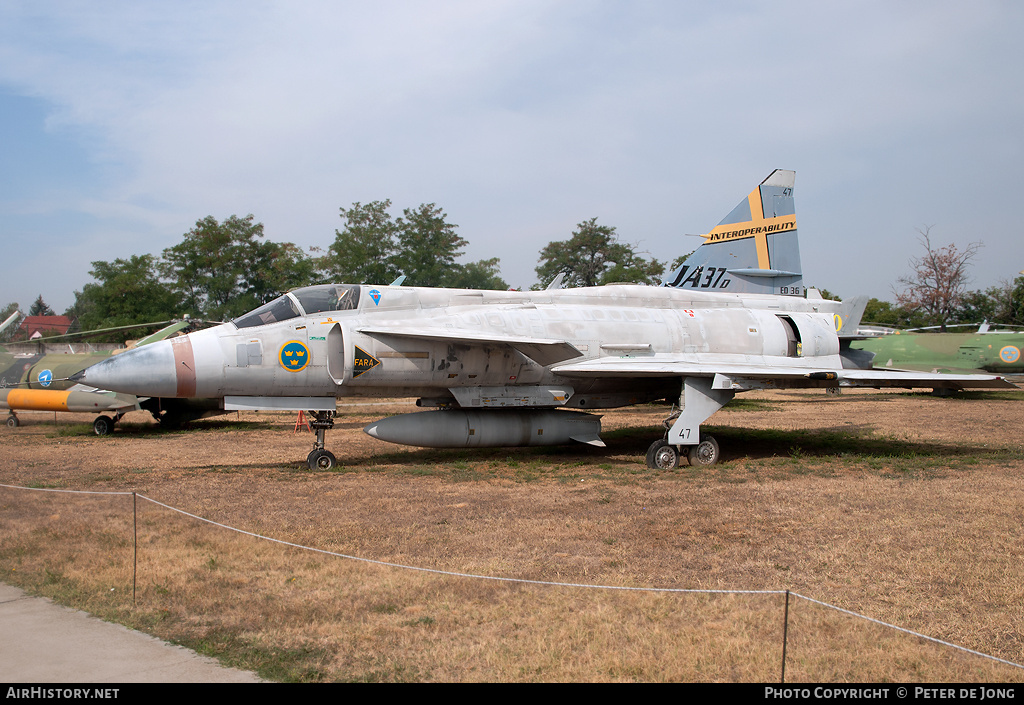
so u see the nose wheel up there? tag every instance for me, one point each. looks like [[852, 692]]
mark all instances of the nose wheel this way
[[320, 458], [104, 425]]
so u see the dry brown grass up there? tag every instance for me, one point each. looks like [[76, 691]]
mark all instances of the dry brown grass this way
[[903, 508]]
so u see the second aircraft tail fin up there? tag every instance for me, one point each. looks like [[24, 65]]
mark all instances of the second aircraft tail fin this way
[[848, 318], [754, 250]]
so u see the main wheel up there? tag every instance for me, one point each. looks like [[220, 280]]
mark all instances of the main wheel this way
[[704, 453], [12, 421], [321, 460], [103, 425], [662, 456]]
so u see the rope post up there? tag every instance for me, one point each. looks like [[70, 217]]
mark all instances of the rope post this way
[[135, 543], [785, 636]]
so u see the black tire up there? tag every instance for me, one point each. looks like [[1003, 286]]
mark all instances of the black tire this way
[[705, 453], [662, 456], [171, 422], [103, 425], [12, 421], [321, 460]]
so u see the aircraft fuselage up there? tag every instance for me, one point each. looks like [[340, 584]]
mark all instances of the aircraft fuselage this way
[[477, 346]]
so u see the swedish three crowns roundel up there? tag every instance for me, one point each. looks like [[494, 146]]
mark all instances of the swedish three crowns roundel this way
[[294, 356]]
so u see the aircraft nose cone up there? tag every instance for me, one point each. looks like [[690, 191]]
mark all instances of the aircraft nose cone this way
[[149, 371]]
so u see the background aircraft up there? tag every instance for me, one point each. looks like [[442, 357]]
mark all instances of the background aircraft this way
[[997, 351], [38, 381], [10, 321], [504, 365]]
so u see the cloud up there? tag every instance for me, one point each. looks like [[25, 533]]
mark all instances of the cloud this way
[[520, 119]]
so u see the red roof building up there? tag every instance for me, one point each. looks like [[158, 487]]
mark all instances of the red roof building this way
[[38, 326]]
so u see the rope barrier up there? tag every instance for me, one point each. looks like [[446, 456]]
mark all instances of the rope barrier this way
[[54, 489], [906, 631], [449, 573], [526, 581]]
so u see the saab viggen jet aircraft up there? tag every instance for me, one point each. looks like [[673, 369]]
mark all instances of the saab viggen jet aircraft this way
[[504, 368]]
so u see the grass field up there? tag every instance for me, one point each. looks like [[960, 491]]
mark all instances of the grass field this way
[[902, 507]]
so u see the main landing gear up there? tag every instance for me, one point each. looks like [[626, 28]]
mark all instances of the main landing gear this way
[[697, 402], [12, 420], [320, 458], [663, 456], [104, 425]]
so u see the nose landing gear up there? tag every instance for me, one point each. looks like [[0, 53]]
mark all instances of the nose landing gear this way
[[104, 425], [320, 458]]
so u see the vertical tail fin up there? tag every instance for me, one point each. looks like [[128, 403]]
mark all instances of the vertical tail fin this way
[[848, 318], [754, 250]]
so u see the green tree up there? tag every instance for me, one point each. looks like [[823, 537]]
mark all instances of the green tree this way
[[429, 246], [594, 256], [40, 308], [223, 269], [484, 274], [206, 268], [363, 251], [884, 313], [978, 306], [126, 292], [997, 304], [1015, 312], [272, 268], [373, 248]]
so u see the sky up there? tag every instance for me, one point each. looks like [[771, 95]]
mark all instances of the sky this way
[[124, 123]]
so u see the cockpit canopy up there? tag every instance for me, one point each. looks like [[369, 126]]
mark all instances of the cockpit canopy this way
[[303, 302]]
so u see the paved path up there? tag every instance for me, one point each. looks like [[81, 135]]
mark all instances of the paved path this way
[[41, 642]]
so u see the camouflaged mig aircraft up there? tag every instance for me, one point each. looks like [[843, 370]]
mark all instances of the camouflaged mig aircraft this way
[[504, 367], [996, 351]]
